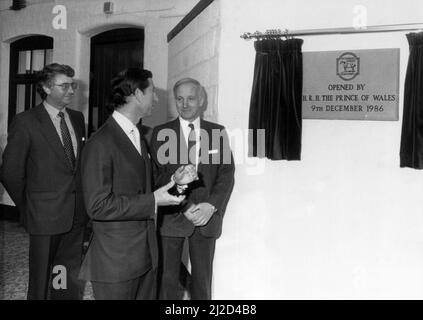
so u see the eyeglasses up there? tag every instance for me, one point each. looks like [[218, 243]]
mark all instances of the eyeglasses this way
[[65, 86]]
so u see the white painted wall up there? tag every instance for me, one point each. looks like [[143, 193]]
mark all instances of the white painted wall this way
[[194, 53], [345, 221], [72, 46]]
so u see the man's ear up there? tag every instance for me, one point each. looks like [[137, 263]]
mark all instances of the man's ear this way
[[201, 96], [47, 90], [139, 94]]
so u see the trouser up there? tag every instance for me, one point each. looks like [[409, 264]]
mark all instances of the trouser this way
[[201, 253], [141, 288], [54, 263]]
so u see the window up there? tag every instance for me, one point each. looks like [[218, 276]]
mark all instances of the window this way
[[27, 56]]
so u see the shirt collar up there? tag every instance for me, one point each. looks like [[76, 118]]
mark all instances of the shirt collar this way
[[52, 111], [123, 122], [184, 123]]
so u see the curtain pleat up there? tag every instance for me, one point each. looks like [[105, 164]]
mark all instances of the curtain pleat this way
[[275, 104], [411, 152]]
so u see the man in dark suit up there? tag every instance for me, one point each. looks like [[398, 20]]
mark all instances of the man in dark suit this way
[[40, 171], [121, 260], [190, 139]]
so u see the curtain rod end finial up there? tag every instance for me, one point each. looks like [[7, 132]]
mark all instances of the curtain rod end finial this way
[[246, 36]]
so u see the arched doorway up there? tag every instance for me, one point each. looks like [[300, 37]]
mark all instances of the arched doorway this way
[[111, 52]]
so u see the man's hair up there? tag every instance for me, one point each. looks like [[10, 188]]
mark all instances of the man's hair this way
[[188, 80], [126, 82], [46, 75]]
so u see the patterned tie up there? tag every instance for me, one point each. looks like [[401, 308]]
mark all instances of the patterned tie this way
[[135, 140], [192, 149], [67, 140]]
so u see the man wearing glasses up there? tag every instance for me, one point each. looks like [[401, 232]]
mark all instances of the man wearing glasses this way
[[40, 171]]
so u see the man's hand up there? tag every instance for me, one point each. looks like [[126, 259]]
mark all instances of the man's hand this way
[[163, 198], [189, 214], [201, 213], [185, 174]]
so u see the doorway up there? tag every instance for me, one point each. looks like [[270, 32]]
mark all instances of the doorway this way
[[111, 52]]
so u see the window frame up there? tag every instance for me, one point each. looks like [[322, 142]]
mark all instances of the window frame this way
[[30, 43]]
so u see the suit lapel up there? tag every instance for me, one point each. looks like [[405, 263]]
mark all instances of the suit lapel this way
[[204, 149], [50, 134]]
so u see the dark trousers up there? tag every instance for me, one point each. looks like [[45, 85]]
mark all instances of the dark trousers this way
[[48, 251], [141, 288], [201, 253]]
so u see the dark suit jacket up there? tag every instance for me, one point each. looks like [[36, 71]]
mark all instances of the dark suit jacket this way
[[37, 175], [116, 182], [215, 170]]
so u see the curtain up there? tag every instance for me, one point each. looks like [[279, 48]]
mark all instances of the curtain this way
[[275, 104], [411, 152]]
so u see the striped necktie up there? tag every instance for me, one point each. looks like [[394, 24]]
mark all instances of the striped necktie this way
[[192, 148], [67, 140]]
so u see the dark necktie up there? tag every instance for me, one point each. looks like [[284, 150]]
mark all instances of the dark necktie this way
[[67, 140], [192, 150]]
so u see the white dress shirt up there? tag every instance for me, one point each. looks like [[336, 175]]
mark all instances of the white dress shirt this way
[[129, 128]]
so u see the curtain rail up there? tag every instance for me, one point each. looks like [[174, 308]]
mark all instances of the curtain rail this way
[[276, 33]]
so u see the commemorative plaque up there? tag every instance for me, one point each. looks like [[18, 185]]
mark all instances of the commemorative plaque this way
[[351, 84]]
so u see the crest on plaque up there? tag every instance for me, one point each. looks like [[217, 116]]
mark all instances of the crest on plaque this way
[[347, 66]]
